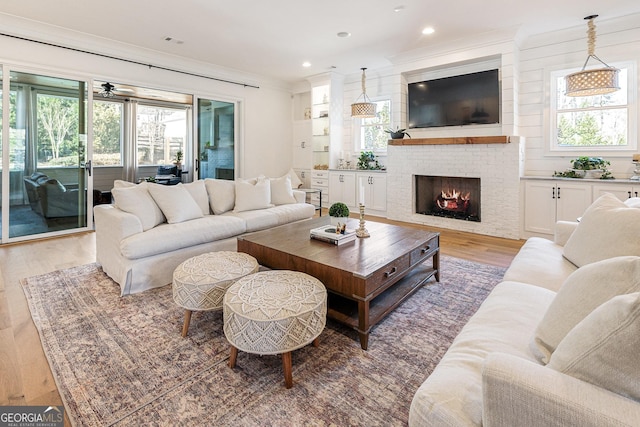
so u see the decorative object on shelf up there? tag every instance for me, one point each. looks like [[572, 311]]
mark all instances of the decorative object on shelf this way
[[587, 167], [107, 90], [366, 108], [337, 211], [307, 113], [368, 161], [321, 166], [362, 230], [636, 171], [597, 81], [398, 133]]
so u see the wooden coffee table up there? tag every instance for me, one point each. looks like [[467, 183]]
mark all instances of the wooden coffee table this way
[[366, 279]]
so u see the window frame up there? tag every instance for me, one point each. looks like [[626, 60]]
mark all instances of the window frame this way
[[358, 127], [552, 148]]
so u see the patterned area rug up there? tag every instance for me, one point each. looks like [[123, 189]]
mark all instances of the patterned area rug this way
[[122, 361]]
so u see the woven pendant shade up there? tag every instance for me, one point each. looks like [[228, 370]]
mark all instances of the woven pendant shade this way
[[592, 82], [366, 108], [363, 109], [598, 81]]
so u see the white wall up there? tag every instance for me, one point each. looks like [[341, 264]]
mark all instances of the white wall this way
[[265, 128], [616, 40]]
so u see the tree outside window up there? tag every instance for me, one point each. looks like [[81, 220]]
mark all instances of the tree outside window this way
[[58, 142], [107, 133]]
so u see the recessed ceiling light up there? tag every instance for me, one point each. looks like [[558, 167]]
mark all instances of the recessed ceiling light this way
[[306, 64], [398, 8], [344, 34], [428, 30]]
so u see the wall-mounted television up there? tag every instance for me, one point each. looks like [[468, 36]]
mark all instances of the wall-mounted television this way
[[468, 99]]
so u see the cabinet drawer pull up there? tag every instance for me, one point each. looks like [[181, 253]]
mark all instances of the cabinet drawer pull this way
[[424, 250], [391, 273]]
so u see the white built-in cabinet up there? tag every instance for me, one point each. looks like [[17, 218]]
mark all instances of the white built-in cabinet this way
[[373, 186], [621, 191], [346, 186], [548, 201], [342, 188]]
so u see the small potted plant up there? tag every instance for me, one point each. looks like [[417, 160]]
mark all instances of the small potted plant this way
[[367, 161], [178, 159], [337, 212], [397, 133], [591, 167]]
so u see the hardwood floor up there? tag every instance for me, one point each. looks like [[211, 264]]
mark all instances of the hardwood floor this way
[[25, 377]]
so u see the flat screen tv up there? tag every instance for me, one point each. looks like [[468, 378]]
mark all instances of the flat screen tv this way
[[468, 99]]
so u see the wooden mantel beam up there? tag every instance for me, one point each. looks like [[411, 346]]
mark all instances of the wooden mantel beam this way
[[452, 140]]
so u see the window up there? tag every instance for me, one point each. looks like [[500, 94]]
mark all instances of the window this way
[[108, 122], [593, 123], [161, 133], [371, 135]]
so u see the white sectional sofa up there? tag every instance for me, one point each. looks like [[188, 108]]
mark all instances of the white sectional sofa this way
[[151, 228], [557, 342]]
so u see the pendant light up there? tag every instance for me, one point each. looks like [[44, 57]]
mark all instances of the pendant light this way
[[366, 108], [597, 81]]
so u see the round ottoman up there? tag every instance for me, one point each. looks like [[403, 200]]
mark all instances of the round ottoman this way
[[274, 312], [199, 283]]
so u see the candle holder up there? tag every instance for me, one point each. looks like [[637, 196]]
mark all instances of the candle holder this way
[[362, 231]]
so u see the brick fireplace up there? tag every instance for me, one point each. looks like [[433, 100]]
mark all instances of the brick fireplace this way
[[496, 166]]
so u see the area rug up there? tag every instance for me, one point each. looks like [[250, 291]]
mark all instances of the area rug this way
[[122, 361]]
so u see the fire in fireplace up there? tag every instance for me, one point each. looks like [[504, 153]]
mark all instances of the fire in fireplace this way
[[451, 197]]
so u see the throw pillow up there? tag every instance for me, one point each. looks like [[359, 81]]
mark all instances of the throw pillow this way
[[253, 196], [119, 183], [175, 202], [137, 201], [199, 193], [281, 191], [295, 181], [604, 232], [222, 194], [633, 202], [583, 291], [603, 348]]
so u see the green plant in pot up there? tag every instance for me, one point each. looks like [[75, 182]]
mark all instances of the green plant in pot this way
[[338, 211], [591, 167], [367, 161], [397, 133]]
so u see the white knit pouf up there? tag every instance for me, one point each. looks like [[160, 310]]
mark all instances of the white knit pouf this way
[[199, 283], [274, 312]]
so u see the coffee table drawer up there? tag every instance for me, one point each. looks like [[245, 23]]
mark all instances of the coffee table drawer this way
[[425, 251], [388, 274]]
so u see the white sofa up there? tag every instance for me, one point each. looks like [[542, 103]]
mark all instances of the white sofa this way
[[151, 228], [500, 371]]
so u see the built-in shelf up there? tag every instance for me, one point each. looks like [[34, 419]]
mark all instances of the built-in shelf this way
[[452, 140]]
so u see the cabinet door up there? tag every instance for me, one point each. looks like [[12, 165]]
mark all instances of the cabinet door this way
[[571, 200], [342, 188], [539, 206], [374, 187], [622, 192]]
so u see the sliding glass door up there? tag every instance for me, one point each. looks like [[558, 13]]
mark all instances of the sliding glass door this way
[[47, 164], [216, 139]]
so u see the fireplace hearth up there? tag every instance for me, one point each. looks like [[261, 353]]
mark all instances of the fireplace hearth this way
[[449, 197]]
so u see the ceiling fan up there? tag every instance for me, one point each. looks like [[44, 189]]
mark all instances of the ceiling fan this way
[[109, 90]]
